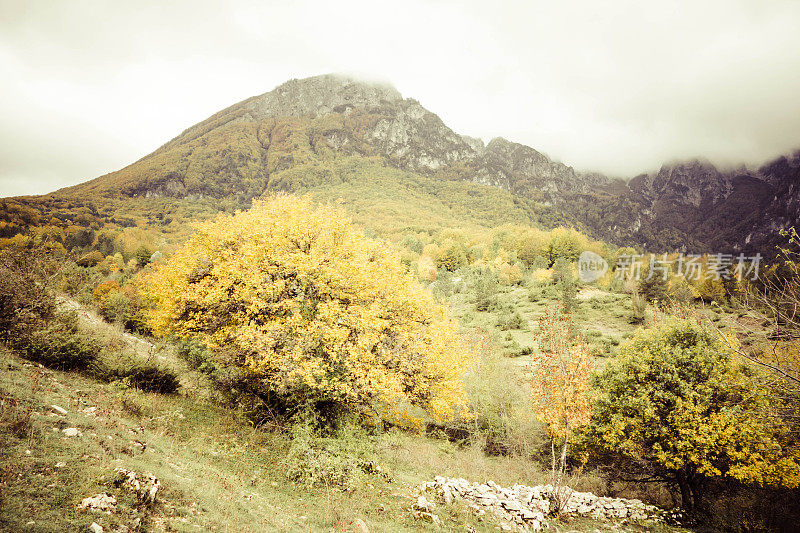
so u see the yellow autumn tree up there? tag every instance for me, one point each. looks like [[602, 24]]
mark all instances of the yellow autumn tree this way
[[561, 372], [310, 310]]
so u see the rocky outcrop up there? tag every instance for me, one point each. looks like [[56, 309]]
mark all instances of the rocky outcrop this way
[[99, 503], [691, 205], [144, 486], [524, 508]]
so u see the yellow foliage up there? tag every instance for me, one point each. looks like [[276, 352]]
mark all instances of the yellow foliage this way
[[312, 309], [542, 275], [561, 373]]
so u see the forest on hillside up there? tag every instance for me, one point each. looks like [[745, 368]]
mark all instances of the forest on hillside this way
[[386, 354]]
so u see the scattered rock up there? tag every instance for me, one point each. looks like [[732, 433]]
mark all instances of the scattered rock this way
[[59, 410], [424, 505], [359, 526], [100, 503], [523, 508], [96, 528], [61, 464], [144, 487], [71, 432]]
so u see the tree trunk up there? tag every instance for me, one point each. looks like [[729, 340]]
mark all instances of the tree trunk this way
[[687, 499]]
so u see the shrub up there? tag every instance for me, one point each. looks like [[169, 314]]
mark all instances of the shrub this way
[[337, 462], [484, 284], [153, 379], [311, 309], [91, 259], [26, 304], [674, 406], [145, 376], [60, 345], [193, 352], [499, 400], [638, 308], [652, 285], [566, 283], [514, 320], [680, 291], [115, 307]]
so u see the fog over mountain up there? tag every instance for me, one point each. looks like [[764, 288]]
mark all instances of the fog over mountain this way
[[616, 87]]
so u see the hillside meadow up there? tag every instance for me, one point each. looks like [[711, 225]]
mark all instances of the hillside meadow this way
[[305, 366]]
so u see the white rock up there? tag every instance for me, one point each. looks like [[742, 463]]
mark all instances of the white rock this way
[[71, 432], [424, 505], [511, 505], [102, 503], [96, 528], [58, 409]]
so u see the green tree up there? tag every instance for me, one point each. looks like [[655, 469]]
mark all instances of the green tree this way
[[142, 255], [484, 284], [566, 283], [674, 406], [652, 284], [451, 257]]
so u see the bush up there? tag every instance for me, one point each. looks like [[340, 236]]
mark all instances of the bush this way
[[153, 379], [674, 406], [145, 376], [638, 308], [508, 321], [652, 285], [503, 422], [26, 304], [91, 259], [484, 284], [315, 312], [337, 462], [680, 291], [195, 354], [115, 307], [60, 346]]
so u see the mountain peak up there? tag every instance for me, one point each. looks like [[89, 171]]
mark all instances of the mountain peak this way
[[320, 95]]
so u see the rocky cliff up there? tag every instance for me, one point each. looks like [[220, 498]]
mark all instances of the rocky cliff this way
[[247, 149]]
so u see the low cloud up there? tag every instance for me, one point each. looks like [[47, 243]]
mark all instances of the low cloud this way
[[617, 87]]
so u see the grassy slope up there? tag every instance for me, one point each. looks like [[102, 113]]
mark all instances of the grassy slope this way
[[217, 472]]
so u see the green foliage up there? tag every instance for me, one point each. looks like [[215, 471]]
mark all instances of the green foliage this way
[[91, 259], [484, 284], [499, 398], [566, 283], [60, 345], [653, 285], [336, 462], [675, 406], [511, 320], [196, 354], [638, 308], [142, 255], [452, 257]]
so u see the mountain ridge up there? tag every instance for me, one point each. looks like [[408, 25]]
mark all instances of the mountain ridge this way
[[311, 125]]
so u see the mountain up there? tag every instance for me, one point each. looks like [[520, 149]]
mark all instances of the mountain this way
[[397, 166]]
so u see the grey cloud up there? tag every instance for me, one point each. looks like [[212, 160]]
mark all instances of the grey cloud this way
[[616, 86]]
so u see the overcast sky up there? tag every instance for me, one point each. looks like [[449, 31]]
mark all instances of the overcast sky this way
[[614, 86]]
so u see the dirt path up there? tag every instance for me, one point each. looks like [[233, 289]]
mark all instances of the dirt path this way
[[141, 347]]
